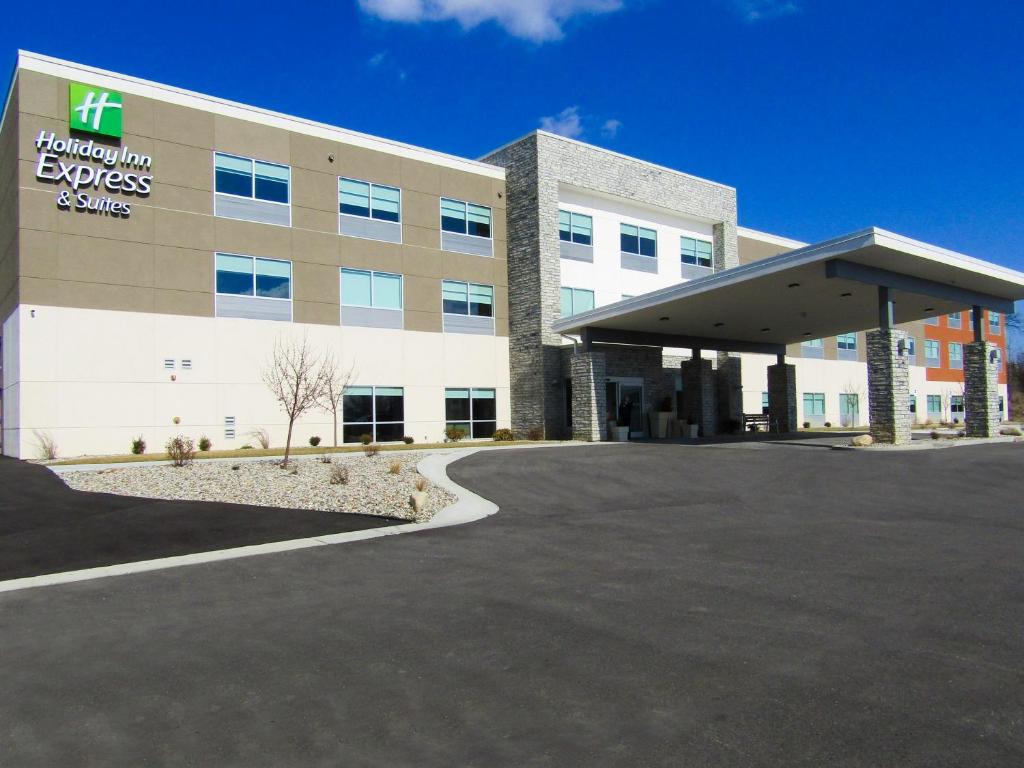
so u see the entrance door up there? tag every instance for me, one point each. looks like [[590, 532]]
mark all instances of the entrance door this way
[[626, 402], [849, 410]]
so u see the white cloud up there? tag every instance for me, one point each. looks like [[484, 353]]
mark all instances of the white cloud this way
[[611, 127], [377, 59], [566, 123], [536, 20], [759, 10]]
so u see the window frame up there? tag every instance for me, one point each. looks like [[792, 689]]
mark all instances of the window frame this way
[[960, 353], [253, 260], [469, 303], [937, 357], [815, 396], [572, 297], [372, 185], [372, 273], [572, 233], [472, 422], [253, 161], [995, 329], [955, 320], [844, 338], [465, 206], [373, 423], [696, 255], [639, 229]]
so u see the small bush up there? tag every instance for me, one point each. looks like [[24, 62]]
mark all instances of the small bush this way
[[262, 437], [935, 435], [138, 446], [371, 449], [956, 420], [205, 443], [408, 440], [366, 438], [503, 435], [47, 446], [807, 425], [454, 434], [961, 433], [314, 441], [339, 474], [326, 460], [236, 467], [246, 447], [421, 484], [1010, 431], [828, 425], [535, 434], [395, 467], [181, 451]]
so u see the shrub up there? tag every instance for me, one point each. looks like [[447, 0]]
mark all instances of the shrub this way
[[421, 484], [236, 467], [138, 446], [365, 439], [828, 424], [246, 447], [956, 420], [262, 437], [408, 440], [961, 433], [181, 451], [1010, 431], [314, 441], [395, 467], [454, 434], [371, 449], [807, 425], [503, 435], [535, 434], [339, 474], [204, 443], [935, 435], [47, 446]]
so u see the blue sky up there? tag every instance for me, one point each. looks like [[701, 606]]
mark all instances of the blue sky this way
[[826, 116]]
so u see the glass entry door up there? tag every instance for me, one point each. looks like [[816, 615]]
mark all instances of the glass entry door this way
[[625, 399], [849, 410]]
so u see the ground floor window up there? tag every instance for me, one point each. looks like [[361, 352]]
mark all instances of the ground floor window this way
[[474, 411], [764, 402], [956, 405], [913, 403], [814, 404], [375, 411], [934, 406], [849, 409]]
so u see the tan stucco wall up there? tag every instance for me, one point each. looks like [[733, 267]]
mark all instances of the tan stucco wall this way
[[9, 209], [161, 258]]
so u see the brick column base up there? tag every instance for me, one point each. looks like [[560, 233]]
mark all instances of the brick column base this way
[[699, 401], [981, 389], [589, 409], [888, 386], [729, 392], [782, 397]]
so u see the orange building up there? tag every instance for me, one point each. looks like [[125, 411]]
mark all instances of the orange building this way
[[944, 341]]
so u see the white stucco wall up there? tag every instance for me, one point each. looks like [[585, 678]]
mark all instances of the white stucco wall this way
[[96, 379]]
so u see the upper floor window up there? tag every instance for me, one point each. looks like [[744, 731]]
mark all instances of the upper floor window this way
[[696, 252], [460, 298], [371, 201], [575, 228], [256, 179], [638, 240], [931, 321], [465, 218], [956, 355], [813, 343], [576, 300], [911, 346], [847, 341], [931, 353], [249, 276], [953, 320], [365, 288], [994, 321]]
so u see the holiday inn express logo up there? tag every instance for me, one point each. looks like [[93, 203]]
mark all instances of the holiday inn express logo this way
[[94, 110]]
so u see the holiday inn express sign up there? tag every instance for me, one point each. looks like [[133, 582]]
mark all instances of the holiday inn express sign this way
[[107, 169]]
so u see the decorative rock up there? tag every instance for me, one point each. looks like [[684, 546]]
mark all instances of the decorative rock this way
[[418, 501], [862, 441]]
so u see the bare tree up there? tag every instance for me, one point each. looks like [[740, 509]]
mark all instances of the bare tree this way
[[335, 384], [852, 390], [297, 379]]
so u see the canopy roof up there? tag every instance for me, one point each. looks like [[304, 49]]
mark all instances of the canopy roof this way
[[820, 290]]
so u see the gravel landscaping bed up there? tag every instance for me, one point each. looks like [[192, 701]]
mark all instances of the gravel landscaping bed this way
[[306, 484]]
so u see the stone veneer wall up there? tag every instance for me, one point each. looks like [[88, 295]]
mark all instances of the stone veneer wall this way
[[888, 386], [588, 396], [535, 167], [981, 390], [782, 397]]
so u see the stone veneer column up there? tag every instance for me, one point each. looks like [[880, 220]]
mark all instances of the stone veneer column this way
[[589, 409], [782, 397], [888, 386], [699, 401], [729, 391], [981, 389]]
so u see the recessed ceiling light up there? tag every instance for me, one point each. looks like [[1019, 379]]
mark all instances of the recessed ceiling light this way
[[663, 319], [765, 329], [844, 295], [807, 333], [793, 285], [719, 325], [929, 309]]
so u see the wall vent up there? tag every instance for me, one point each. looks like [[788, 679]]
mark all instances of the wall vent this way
[[229, 427], [186, 365], [168, 364]]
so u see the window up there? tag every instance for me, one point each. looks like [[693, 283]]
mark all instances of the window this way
[[375, 411], [913, 403], [627, 296], [696, 252], [814, 404], [931, 321], [994, 323], [576, 300], [764, 402], [956, 355], [953, 320], [467, 299], [643, 242], [956, 405], [973, 319], [813, 343], [371, 201], [847, 341], [911, 346], [934, 405], [472, 410], [575, 227], [931, 353], [465, 218], [365, 288], [248, 276], [242, 177]]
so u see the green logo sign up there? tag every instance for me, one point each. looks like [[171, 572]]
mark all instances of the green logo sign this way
[[94, 110]]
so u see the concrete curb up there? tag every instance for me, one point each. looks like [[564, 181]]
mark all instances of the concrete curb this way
[[926, 445]]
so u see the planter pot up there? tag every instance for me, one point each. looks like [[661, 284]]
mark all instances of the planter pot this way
[[619, 434], [692, 430], [663, 424]]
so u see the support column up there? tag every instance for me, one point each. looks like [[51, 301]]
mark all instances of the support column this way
[[699, 406], [782, 395], [981, 388], [729, 392], [589, 373], [888, 386]]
